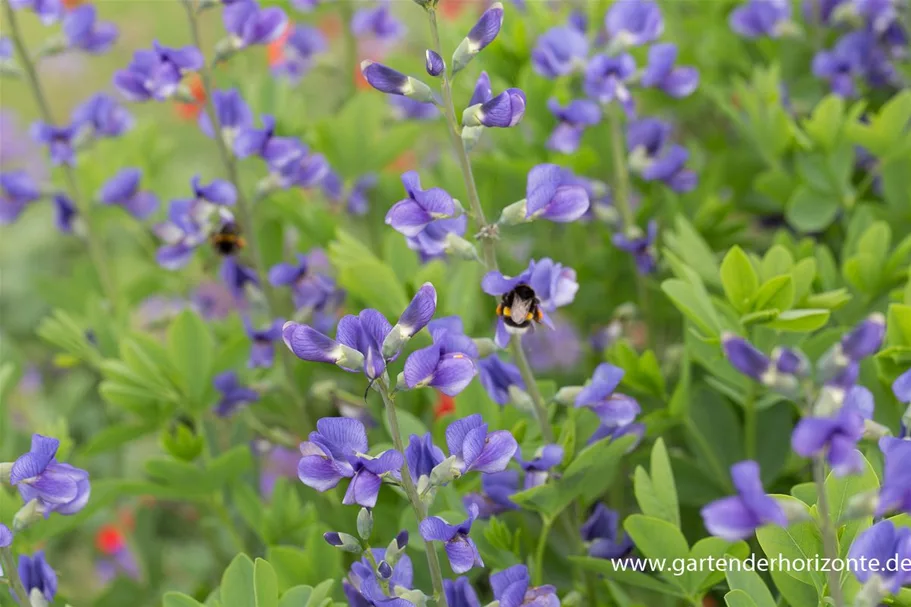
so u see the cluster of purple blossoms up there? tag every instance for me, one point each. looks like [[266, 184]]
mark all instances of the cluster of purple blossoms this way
[[498, 487], [555, 286], [157, 73], [37, 577], [248, 24], [429, 219], [123, 190], [298, 51], [232, 394], [552, 193], [312, 288], [512, 588], [617, 412], [49, 11], [737, 517], [364, 589], [338, 449], [377, 22], [460, 548], [83, 31], [654, 158], [762, 18], [47, 485], [602, 531]]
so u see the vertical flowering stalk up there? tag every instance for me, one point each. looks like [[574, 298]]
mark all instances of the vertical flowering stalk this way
[[420, 509], [486, 231], [829, 538], [96, 251], [11, 570], [244, 212]]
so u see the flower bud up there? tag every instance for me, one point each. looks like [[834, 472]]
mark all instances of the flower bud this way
[[225, 49], [343, 541], [458, 247], [520, 398], [875, 431], [872, 593], [28, 515], [433, 63], [364, 523], [861, 505], [36, 598], [396, 548], [485, 346], [514, 214], [182, 441], [445, 472], [415, 597], [5, 470], [471, 135], [387, 80], [795, 511], [503, 111], [483, 33], [566, 395], [384, 570]]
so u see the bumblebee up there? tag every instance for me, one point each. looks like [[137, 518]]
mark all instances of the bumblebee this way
[[227, 240], [519, 308]]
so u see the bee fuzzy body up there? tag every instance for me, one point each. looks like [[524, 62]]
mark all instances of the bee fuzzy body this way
[[227, 240], [519, 309]]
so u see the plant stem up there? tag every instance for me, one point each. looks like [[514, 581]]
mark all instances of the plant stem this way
[[349, 53], [420, 509], [245, 212], [368, 552], [458, 146], [621, 171], [487, 242], [96, 251], [749, 425], [829, 541], [11, 571], [538, 578]]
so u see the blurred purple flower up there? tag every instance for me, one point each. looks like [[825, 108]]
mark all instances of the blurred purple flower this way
[[655, 158], [406, 108], [156, 74], [836, 437], [277, 462], [105, 115], [233, 113], [737, 517], [496, 489], [214, 301], [602, 530], [59, 141], [311, 287], [883, 543], [17, 191], [553, 193], [65, 212], [49, 11], [297, 53], [573, 120], [36, 574], [537, 469], [83, 31], [640, 246], [237, 276], [512, 588], [896, 484], [250, 24], [378, 22], [6, 536], [459, 593], [262, 348], [661, 73], [337, 450], [634, 22], [123, 190], [559, 349], [358, 201], [39, 476], [233, 395], [559, 51], [606, 78], [460, 548], [759, 18], [497, 376]]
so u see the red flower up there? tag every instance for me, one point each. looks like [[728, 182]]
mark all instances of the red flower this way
[[276, 49], [109, 540], [445, 406], [192, 110]]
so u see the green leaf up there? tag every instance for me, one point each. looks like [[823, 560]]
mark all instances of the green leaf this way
[[178, 599], [694, 304], [611, 569], [776, 293], [237, 583], [898, 325], [811, 211], [657, 492], [657, 538], [266, 584], [366, 278], [299, 596], [738, 598], [751, 583], [711, 548], [115, 436], [777, 261], [190, 347], [825, 123], [800, 321], [739, 279], [320, 593], [839, 491], [798, 541]]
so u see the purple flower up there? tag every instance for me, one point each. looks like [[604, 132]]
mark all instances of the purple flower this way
[[614, 410], [483, 33], [310, 286], [536, 469], [36, 574], [49, 11], [387, 80], [641, 246], [83, 31], [661, 73], [277, 462], [377, 22], [276, 151], [753, 363], [460, 548], [17, 191], [362, 588], [262, 349], [896, 487], [602, 530], [606, 77], [503, 111], [559, 51], [105, 115], [156, 74], [433, 63], [890, 546], [237, 276], [901, 387], [422, 455], [233, 113], [420, 310], [554, 193], [297, 53], [448, 372], [64, 212], [482, 91], [6, 50], [123, 190], [836, 437], [459, 593], [654, 158], [233, 394], [406, 108], [634, 22], [559, 349], [496, 489], [737, 517], [449, 333], [412, 215], [573, 119], [59, 141], [865, 339], [249, 24], [338, 450], [358, 200], [359, 344], [497, 376], [477, 449], [122, 561], [57, 487], [6, 536], [512, 588], [553, 285], [759, 18]]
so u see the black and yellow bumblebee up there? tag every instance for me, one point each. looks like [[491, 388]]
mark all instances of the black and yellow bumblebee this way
[[227, 240], [519, 308]]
